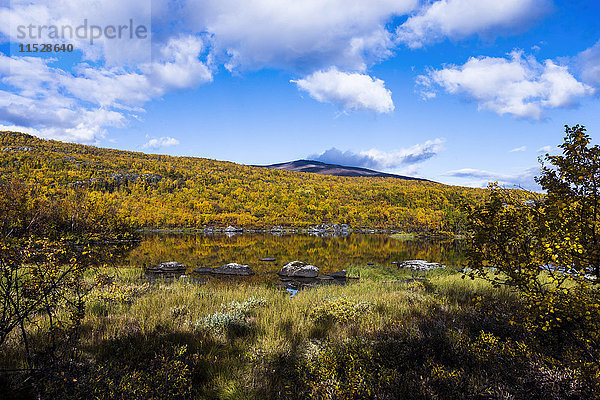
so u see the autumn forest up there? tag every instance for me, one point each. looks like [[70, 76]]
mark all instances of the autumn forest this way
[[158, 191]]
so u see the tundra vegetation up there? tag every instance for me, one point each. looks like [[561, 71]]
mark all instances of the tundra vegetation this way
[[521, 322], [157, 191]]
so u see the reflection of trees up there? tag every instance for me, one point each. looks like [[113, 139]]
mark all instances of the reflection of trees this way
[[327, 253]]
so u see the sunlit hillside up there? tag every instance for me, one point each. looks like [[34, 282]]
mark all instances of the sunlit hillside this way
[[164, 191]]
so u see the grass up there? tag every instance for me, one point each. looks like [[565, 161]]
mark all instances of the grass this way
[[393, 273], [403, 236], [383, 336]]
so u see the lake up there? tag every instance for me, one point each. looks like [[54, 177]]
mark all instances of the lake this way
[[330, 254]]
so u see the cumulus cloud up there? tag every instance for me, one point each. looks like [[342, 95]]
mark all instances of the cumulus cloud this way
[[349, 91], [116, 78], [378, 159], [516, 85], [588, 62], [518, 149], [109, 85], [79, 105], [165, 141], [457, 19], [125, 50], [38, 103], [480, 178], [180, 67], [246, 34], [301, 35]]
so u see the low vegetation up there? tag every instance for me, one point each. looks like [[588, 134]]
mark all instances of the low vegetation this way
[[444, 337], [521, 322], [156, 191]]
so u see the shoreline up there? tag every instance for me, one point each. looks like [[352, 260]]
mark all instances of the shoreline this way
[[276, 231]]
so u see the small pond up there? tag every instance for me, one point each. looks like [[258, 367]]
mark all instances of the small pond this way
[[330, 254]]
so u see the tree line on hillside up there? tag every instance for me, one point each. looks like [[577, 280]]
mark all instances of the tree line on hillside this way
[[163, 191]]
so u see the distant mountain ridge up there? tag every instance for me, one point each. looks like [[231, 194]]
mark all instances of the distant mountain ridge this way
[[318, 167]]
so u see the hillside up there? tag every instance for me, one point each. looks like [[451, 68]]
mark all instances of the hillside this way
[[318, 167], [164, 191]]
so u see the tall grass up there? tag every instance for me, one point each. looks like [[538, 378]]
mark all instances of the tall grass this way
[[389, 334]]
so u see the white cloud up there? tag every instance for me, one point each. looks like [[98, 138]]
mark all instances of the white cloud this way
[[125, 50], [544, 149], [350, 91], [165, 141], [379, 159], [81, 104], [246, 34], [481, 178], [457, 19], [298, 35], [180, 67], [518, 149], [39, 103], [517, 85], [118, 77], [588, 62]]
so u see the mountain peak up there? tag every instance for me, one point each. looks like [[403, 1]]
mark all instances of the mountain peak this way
[[318, 167]]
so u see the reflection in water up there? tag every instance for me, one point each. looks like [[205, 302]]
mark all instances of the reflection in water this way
[[328, 253]]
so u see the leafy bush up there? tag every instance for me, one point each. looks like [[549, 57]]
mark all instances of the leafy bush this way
[[338, 371], [233, 320], [99, 299], [548, 249], [159, 371], [340, 310], [47, 241]]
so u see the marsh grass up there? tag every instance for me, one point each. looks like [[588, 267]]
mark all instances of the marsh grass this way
[[391, 334], [393, 273]]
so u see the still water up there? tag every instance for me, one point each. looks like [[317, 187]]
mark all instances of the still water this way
[[328, 253]]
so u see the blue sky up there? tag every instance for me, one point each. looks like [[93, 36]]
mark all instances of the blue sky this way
[[458, 91]]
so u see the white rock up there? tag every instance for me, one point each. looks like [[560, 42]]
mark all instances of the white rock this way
[[420, 265], [299, 269]]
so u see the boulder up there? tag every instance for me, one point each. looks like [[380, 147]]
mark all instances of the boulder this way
[[233, 269], [420, 265], [168, 267], [299, 269], [339, 274], [232, 229]]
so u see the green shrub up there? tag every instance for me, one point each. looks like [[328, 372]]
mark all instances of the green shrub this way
[[340, 310], [233, 320]]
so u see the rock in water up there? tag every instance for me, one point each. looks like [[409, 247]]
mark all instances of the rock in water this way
[[233, 269], [299, 269], [339, 274], [420, 265], [168, 267]]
